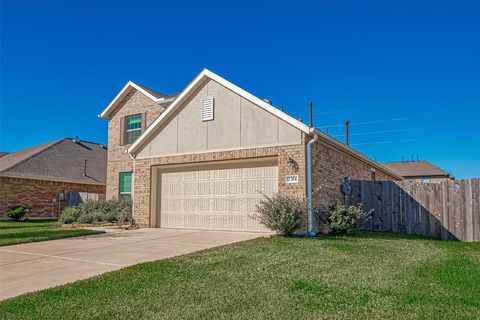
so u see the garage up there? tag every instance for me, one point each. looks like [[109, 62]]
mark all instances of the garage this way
[[215, 196]]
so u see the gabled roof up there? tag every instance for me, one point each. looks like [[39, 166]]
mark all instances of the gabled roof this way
[[207, 74], [149, 93], [360, 156], [60, 160], [420, 168], [190, 88]]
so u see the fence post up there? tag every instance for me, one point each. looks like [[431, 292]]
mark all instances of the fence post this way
[[346, 189]]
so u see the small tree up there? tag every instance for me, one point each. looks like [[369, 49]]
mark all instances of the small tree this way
[[281, 213], [342, 219]]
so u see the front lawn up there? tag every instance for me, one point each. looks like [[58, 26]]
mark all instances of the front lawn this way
[[15, 232], [366, 276]]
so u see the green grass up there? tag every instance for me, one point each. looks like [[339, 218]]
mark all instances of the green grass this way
[[15, 232], [364, 276]]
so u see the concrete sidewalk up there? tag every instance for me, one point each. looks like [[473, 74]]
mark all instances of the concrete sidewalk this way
[[34, 266]]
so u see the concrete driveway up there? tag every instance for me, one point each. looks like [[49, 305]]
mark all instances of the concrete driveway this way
[[34, 266]]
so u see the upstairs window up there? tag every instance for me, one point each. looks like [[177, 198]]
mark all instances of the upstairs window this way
[[207, 108], [133, 128], [426, 179], [125, 185]]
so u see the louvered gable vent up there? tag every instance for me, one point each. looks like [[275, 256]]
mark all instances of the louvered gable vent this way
[[207, 108]]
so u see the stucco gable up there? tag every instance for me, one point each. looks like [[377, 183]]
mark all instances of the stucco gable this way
[[198, 82], [238, 123]]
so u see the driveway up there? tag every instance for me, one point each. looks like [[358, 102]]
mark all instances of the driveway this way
[[34, 266]]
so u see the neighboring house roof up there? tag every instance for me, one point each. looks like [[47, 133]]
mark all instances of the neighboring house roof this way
[[3, 153], [156, 96], [420, 168], [60, 160]]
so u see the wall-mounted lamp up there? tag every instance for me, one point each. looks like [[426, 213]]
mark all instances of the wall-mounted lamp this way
[[292, 164]]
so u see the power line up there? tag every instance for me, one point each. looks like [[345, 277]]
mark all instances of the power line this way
[[389, 131], [427, 116], [412, 140]]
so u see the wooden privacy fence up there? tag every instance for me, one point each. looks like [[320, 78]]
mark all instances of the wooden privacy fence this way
[[74, 198], [447, 210]]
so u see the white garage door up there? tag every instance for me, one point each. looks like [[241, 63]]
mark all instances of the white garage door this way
[[216, 199]]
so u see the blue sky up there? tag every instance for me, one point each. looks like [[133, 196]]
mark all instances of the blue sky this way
[[406, 75]]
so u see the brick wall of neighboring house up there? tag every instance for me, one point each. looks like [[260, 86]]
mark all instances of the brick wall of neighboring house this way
[[38, 195], [118, 160], [329, 166], [143, 171]]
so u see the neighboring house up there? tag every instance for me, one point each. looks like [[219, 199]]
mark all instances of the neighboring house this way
[[202, 158], [38, 177], [420, 170]]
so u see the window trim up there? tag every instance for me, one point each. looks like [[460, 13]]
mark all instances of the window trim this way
[[120, 193], [127, 131]]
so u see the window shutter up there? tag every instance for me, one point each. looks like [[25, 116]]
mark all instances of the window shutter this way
[[207, 108], [144, 121], [122, 131]]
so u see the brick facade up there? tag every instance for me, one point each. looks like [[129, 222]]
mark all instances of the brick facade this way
[[118, 161], [330, 165], [38, 195], [143, 172]]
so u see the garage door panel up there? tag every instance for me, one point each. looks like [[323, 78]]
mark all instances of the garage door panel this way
[[222, 199]]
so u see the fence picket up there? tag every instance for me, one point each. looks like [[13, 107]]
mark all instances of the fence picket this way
[[448, 210]]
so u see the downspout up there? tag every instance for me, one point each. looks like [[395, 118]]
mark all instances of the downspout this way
[[310, 231], [133, 224]]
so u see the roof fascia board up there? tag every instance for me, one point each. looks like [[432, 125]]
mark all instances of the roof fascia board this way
[[204, 74], [355, 153], [111, 106]]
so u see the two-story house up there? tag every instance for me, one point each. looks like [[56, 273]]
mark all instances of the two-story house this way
[[204, 157]]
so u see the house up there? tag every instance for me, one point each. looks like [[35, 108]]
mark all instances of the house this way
[[420, 170], [38, 177], [202, 158]]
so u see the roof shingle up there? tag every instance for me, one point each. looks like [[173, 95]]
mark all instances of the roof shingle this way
[[420, 168], [59, 160]]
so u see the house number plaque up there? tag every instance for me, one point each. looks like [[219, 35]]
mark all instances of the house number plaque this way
[[291, 179]]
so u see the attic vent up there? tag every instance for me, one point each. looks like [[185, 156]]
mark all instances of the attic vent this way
[[207, 108]]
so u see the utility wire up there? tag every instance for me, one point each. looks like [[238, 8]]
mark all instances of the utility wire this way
[[388, 120], [412, 140], [389, 131]]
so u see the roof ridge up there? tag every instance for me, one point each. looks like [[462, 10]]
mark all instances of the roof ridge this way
[[86, 141], [47, 146], [149, 89]]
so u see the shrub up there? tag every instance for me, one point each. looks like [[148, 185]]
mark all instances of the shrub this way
[[69, 215], [17, 212], [342, 219], [98, 211], [106, 210], [281, 213]]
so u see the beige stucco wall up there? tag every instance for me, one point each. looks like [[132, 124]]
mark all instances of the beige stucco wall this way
[[237, 124]]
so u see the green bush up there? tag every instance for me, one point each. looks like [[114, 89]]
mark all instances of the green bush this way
[[281, 213], [342, 219], [69, 215], [17, 212]]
